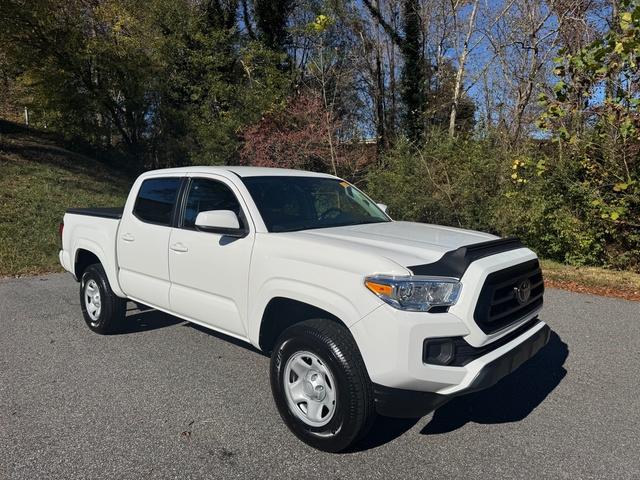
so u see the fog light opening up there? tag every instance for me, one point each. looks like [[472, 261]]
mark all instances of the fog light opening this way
[[439, 351]]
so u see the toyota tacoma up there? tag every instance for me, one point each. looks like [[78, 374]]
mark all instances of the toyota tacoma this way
[[362, 315]]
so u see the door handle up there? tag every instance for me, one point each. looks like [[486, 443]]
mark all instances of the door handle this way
[[127, 237], [179, 247]]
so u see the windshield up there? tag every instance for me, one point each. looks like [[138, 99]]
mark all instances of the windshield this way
[[302, 203]]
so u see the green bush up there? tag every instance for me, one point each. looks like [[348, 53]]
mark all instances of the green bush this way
[[532, 193], [445, 182]]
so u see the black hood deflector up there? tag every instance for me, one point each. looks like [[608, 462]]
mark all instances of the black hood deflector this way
[[455, 262]]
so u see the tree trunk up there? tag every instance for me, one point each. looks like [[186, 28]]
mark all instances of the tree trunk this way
[[460, 73], [380, 92]]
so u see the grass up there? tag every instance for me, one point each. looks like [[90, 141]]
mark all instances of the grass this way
[[38, 181], [598, 281]]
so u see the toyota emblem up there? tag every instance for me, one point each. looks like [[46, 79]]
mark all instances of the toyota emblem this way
[[523, 291]]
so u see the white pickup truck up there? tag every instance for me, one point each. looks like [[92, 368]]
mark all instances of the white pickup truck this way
[[362, 315]]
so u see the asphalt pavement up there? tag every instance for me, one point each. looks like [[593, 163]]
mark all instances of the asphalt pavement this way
[[168, 399]]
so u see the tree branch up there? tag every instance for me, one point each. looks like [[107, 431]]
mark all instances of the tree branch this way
[[377, 14]]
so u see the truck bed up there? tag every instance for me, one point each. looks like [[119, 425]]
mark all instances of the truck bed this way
[[109, 212]]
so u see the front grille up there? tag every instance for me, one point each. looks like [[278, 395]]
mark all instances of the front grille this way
[[498, 306]]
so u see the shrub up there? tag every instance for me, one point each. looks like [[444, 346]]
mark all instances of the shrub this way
[[531, 192]]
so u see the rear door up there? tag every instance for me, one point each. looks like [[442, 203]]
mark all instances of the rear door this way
[[143, 241], [210, 271]]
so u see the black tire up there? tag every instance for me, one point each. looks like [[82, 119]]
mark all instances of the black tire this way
[[354, 409], [112, 308]]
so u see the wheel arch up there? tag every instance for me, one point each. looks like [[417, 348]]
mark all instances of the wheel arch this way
[[295, 299], [83, 259], [282, 312], [87, 253]]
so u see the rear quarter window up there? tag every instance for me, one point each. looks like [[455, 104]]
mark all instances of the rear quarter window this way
[[156, 200]]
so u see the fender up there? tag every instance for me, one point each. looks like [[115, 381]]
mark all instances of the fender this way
[[317, 296], [107, 263]]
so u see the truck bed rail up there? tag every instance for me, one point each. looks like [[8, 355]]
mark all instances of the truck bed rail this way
[[109, 212]]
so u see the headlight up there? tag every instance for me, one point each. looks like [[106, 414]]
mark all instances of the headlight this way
[[415, 293]]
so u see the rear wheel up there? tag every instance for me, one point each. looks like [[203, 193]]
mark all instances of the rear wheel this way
[[320, 385], [102, 310]]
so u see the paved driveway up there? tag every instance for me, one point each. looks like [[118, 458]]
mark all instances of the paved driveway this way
[[171, 400]]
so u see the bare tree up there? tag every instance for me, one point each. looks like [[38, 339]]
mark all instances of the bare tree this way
[[524, 42]]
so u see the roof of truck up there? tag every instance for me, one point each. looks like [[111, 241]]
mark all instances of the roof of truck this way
[[242, 171]]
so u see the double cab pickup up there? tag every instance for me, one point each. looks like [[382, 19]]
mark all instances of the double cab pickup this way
[[361, 315]]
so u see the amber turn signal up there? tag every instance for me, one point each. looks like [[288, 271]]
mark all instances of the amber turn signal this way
[[379, 288]]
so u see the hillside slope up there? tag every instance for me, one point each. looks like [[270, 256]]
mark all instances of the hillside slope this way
[[39, 180]]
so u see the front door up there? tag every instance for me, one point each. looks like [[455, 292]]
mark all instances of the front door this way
[[209, 271]]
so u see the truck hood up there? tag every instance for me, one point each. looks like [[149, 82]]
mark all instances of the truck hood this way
[[406, 243]]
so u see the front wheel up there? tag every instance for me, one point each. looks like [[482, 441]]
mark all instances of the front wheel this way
[[321, 386]]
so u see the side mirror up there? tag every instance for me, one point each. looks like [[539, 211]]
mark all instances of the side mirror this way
[[382, 207], [224, 222]]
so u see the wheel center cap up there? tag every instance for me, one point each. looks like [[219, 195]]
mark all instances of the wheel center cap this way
[[314, 386]]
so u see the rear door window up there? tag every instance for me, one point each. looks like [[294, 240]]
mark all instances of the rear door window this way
[[156, 200]]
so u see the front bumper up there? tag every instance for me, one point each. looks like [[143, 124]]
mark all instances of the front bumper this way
[[395, 402]]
